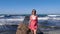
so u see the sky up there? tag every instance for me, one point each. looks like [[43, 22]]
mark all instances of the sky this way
[[26, 6]]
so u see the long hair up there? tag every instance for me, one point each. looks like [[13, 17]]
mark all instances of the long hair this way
[[34, 11]]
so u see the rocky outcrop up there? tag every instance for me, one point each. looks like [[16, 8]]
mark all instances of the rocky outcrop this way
[[23, 29]]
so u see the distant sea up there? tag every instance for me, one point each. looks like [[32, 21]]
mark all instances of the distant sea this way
[[9, 22]]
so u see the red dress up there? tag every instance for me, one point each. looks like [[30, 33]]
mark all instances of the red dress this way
[[33, 22]]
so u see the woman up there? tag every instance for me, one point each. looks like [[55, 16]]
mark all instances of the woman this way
[[33, 21]]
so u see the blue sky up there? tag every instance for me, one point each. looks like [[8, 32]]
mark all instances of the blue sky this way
[[26, 6]]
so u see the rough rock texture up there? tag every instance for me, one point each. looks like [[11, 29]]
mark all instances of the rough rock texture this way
[[23, 29]]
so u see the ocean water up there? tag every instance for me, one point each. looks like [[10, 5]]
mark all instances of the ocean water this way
[[9, 23]]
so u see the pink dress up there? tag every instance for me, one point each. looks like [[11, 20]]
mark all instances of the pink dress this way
[[33, 22]]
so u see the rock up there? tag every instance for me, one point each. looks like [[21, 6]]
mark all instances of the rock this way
[[23, 29]]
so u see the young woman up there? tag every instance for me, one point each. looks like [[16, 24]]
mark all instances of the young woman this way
[[33, 21]]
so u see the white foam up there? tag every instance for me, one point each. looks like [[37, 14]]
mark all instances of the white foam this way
[[15, 19], [43, 18], [53, 15], [2, 16]]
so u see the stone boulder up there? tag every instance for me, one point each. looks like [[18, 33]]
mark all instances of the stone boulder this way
[[23, 29]]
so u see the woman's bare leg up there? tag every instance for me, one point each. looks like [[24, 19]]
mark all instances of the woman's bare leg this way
[[34, 31]]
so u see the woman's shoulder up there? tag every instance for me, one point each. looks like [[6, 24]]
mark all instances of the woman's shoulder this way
[[36, 16]]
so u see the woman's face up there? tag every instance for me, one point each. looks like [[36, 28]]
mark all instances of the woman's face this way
[[33, 13]]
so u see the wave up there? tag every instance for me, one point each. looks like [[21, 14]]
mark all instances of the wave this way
[[15, 20], [54, 15]]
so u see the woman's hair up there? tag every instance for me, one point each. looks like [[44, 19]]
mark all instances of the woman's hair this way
[[34, 11]]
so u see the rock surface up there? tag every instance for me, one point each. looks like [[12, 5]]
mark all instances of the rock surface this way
[[23, 29]]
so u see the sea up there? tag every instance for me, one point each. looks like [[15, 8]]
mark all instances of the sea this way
[[46, 22]]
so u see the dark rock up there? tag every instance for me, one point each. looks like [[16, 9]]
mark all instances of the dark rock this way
[[39, 31], [26, 20]]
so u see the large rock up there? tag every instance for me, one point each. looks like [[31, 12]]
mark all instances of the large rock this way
[[23, 29]]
